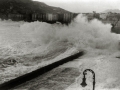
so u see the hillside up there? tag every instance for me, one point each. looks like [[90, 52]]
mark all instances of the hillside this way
[[27, 6]]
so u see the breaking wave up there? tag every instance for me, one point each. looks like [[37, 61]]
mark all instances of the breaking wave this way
[[80, 34], [23, 37]]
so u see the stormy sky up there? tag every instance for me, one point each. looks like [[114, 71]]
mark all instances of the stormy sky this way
[[84, 5]]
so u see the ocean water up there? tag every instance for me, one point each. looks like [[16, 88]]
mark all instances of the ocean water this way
[[95, 38]]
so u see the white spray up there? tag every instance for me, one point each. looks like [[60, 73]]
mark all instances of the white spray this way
[[21, 36]]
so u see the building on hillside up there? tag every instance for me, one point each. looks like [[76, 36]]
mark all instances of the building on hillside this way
[[103, 16]]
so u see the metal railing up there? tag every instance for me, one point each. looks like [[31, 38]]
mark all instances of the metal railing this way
[[83, 84]]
